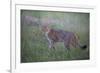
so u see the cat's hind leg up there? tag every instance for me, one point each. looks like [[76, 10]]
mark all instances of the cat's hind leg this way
[[67, 46]]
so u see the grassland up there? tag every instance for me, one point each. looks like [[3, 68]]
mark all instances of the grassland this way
[[34, 46]]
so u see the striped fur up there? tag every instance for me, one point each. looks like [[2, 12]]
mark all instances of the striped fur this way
[[68, 38]]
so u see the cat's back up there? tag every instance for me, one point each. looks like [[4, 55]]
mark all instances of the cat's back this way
[[63, 32], [60, 34]]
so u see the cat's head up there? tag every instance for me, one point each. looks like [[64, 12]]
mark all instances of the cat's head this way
[[45, 28]]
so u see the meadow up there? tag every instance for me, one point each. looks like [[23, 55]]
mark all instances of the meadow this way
[[34, 45]]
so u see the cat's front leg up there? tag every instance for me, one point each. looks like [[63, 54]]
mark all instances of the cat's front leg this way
[[50, 43]]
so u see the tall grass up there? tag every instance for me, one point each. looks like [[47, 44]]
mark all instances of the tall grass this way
[[34, 48]]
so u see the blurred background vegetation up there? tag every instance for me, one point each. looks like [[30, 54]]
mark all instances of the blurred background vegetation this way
[[34, 46]]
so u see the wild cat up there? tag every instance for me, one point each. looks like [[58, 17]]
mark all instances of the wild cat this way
[[68, 38]]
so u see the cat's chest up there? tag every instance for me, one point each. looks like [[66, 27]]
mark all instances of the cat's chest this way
[[46, 34]]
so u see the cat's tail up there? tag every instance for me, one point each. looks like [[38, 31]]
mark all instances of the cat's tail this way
[[77, 43], [83, 46]]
